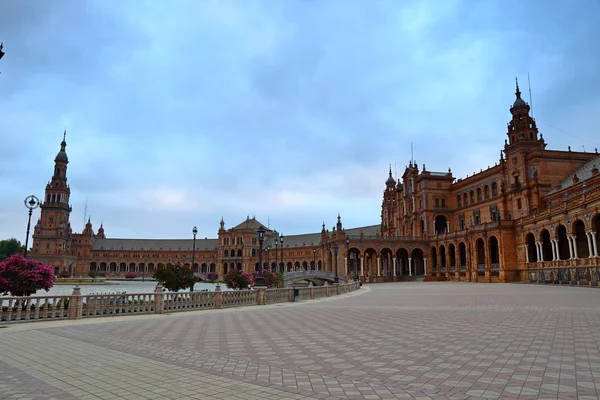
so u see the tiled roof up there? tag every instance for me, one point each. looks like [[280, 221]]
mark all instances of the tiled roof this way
[[313, 239], [584, 172], [155, 244], [251, 223]]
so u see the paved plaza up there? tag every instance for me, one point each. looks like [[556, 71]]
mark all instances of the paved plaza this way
[[396, 340]]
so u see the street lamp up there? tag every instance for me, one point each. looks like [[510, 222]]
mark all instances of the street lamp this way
[[276, 254], [31, 202], [347, 254], [335, 251], [194, 232], [315, 259], [260, 279], [282, 263], [267, 250]]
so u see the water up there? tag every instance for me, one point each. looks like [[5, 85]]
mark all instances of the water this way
[[117, 287]]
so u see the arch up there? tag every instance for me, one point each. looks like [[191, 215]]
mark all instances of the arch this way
[[203, 268], [581, 242], [563, 243], [195, 267], [531, 250], [386, 256], [480, 250], [443, 258], [434, 259], [151, 267], [418, 262], [253, 252], [132, 267], [472, 196], [465, 199], [486, 192], [546, 245], [459, 201], [441, 224], [494, 189], [462, 252], [113, 266], [402, 261], [239, 252], [212, 267], [289, 266], [231, 266], [160, 265], [305, 265], [239, 266], [452, 255], [479, 198], [142, 267], [423, 230], [93, 266], [494, 252], [353, 261], [226, 253], [370, 262]]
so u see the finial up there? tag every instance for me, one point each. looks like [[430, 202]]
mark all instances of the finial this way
[[569, 148], [339, 218], [1, 45], [518, 92], [449, 170], [65, 134], [390, 169], [596, 150]]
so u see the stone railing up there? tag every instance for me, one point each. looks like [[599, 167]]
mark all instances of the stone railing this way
[[78, 306], [580, 275]]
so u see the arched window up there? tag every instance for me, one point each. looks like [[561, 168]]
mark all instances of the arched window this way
[[253, 252], [494, 189], [226, 253], [478, 194], [239, 252], [465, 200], [486, 192], [472, 196], [458, 201]]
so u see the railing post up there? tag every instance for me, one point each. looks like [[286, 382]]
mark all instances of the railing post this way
[[261, 296], [159, 300], [326, 284], [311, 290], [76, 304], [218, 297], [337, 289], [291, 294]]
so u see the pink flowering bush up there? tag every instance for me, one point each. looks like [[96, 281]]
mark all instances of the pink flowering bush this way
[[22, 276], [212, 276], [237, 280], [131, 275]]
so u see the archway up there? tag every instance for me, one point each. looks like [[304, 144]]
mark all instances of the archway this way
[[441, 225], [93, 266], [480, 246], [462, 250], [203, 268], [563, 243], [531, 250], [546, 246], [353, 261], [434, 260], [452, 256], [443, 258], [212, 267], [402, 263], [386, 256], [418, 262], [494, 252], [370, 262], [581, 239]]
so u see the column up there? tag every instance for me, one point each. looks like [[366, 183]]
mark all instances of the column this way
[[526, 253], [425, 265], [589, 243], [539, 252], [394, 266], [362, 266], [448, 226], [554, 250], [571, 252], [379, 266], [409, 266], [575, 253], [594, 244]]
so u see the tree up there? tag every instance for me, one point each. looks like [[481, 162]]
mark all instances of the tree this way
[[175, 277], [8, 247], [22, 276]]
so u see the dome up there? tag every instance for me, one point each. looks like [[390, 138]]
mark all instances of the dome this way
[[390, 180], [519, 102]]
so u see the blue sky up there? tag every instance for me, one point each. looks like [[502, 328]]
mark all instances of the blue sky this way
[[180, 112]]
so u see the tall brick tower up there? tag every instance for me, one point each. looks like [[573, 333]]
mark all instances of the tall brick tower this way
[[52, 237]]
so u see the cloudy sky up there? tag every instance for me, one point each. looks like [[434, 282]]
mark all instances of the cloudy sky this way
[[180, 112]]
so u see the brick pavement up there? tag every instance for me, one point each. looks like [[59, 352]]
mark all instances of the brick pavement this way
[[398, 340]]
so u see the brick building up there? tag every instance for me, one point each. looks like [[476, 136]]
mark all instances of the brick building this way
[[533, 215]]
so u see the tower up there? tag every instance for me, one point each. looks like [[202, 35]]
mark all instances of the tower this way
[[52, 233], [522, 127]]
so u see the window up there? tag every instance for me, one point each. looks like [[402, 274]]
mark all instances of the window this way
[[477, 217], [519, 206], [472, 195], [486, 192], [253, 252], [461, 221], [465, 200], [458, 201], [494, 189], [437, 203], [443, 203], [478, 194]]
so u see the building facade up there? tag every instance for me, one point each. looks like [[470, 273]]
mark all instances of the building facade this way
[[533, 215]]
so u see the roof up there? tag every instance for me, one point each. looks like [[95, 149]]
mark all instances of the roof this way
[[155, 244], [313, 239], [251, 223], [584, 172]]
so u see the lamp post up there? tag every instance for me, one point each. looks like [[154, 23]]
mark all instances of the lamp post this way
[[276, 254], [267, 250], [31, 202], [315, 259], [335, 251], [260, 280], [282, 263], [194, 232], [347, 254]]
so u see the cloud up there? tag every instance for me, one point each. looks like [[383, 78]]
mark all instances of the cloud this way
[[180, 113]]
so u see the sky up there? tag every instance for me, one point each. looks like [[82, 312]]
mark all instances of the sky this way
[[181, 112]]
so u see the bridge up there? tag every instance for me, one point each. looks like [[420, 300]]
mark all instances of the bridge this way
[[318, 278], [200, 276]]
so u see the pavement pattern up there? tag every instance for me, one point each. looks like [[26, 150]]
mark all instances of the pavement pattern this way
[[408, 340]]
